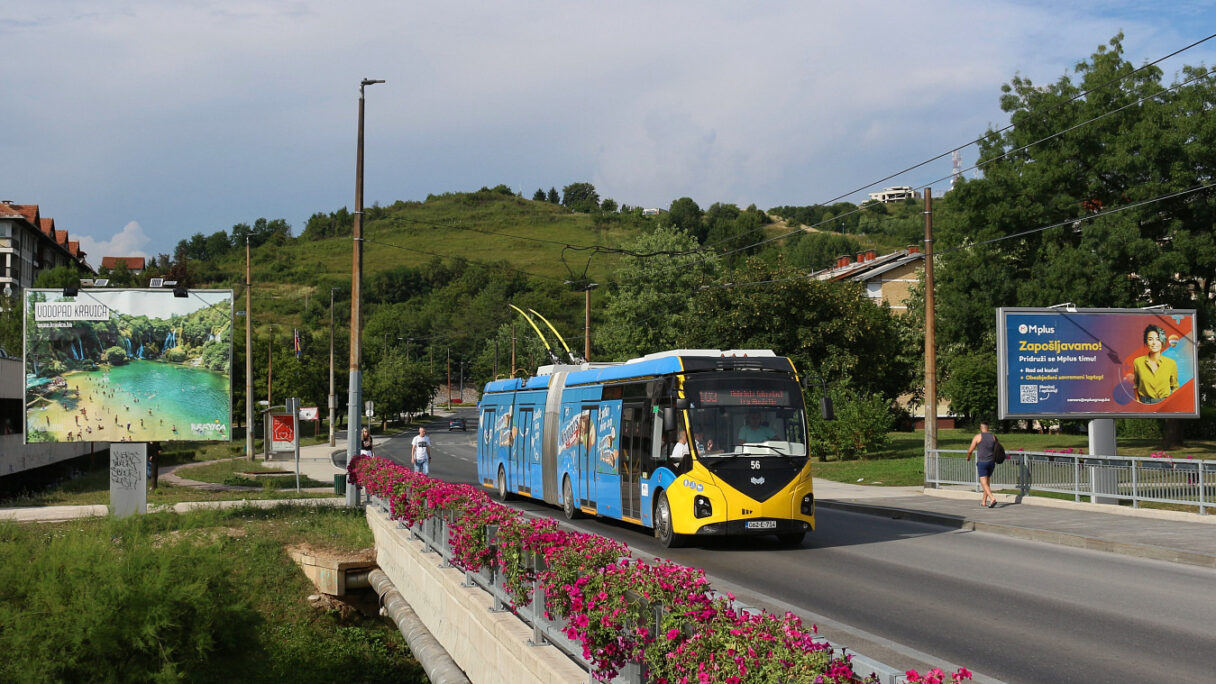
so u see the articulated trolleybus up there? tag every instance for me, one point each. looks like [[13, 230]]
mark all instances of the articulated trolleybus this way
[[688, 442]]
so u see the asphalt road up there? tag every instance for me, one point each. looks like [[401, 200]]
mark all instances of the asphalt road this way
[[914, 595]]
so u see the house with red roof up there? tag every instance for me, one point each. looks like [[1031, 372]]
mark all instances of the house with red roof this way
[[134, 264]]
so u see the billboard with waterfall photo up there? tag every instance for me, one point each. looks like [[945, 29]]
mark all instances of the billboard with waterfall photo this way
[[128, 365]]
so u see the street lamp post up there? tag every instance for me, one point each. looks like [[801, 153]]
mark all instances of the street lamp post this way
[[333, 398], [356, 312]]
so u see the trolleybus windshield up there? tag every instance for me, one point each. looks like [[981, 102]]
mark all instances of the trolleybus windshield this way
[[756, 416]]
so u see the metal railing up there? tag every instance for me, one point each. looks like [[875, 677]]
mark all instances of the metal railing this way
[[434, 534], [1101, 479]]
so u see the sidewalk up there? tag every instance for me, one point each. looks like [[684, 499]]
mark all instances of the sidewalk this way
[[1145, 533]]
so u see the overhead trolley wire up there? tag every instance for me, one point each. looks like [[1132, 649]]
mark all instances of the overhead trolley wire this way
[[981, 165]]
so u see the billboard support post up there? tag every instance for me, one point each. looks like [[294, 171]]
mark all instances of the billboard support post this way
[[128, 478], [1102, 443]]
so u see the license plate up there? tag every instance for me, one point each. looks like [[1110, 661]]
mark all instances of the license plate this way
[[761, 524]]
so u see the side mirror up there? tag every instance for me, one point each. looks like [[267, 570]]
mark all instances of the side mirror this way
[[669, 419], [825, 408]]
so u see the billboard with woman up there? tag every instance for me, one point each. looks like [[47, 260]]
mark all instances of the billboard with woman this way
[[1097, 363]]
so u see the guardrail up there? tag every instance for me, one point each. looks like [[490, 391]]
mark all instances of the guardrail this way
[[433, 533], [1102, 479]]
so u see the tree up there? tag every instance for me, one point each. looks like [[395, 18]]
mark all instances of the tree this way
[[11, 315], [397, 385], [58, 277], [1131, 140], [970, 386], [552, 197], [644, 309], [608, 206], [831, 330], [686, 215], [815, 251], [539, 196], [580, 197]]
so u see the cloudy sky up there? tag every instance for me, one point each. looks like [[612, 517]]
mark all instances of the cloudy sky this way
[[137, 123]]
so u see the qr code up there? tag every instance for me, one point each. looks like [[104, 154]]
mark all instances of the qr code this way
[[1030, 394]]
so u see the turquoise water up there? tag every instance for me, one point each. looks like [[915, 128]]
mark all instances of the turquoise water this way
[[177, 395]]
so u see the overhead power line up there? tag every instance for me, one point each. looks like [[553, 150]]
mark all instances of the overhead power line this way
[[985, 136]]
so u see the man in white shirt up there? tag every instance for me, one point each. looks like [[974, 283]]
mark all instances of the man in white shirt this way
[[680, 450], [420, 452]]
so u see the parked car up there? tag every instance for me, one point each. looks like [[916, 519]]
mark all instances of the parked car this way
[[456, 424]]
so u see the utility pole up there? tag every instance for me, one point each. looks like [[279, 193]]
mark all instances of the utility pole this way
[[512, 350], [333, 398], [587, 326], [269, 363], [356, 310], [248, 355], [930, 337], [449, 378]]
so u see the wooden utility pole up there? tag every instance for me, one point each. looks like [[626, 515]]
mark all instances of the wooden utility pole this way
[[269, 363], [930, 337], [587, 327], [248, 354]]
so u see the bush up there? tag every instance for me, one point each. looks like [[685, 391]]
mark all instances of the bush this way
[[1138, 428], [114, 605], [862, 425]]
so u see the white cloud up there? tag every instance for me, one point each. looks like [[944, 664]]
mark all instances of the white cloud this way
[[130, 241]]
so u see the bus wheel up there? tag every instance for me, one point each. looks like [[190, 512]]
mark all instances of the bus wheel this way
[[791, 539], [663, 530], [500, 490], [568, 507]]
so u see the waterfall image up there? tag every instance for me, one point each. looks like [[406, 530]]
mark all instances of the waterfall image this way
[[120, 385]]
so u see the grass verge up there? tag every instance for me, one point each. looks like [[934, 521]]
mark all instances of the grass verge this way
[[203, 596]]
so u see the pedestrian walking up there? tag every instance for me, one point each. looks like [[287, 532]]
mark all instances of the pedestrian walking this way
[[983, 445], [365, 443], [420, 452]]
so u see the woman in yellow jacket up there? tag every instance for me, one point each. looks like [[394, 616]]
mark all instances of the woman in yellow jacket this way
[[1155, 376]]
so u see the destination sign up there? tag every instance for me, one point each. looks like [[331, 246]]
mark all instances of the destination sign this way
[[743, 397]]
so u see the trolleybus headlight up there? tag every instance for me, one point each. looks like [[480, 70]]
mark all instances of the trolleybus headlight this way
[[808, 504], [701, 507]]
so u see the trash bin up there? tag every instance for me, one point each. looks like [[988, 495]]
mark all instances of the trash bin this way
[[339, 484]]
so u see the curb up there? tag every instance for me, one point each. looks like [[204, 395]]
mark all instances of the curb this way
[[1029, 534]]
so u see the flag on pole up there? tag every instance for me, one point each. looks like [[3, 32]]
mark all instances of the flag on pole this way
[[296, 341]]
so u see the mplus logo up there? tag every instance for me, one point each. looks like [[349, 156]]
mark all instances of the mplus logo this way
[[1036, 329]]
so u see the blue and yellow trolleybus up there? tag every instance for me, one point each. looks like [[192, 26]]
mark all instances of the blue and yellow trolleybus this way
[[688, 442]]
